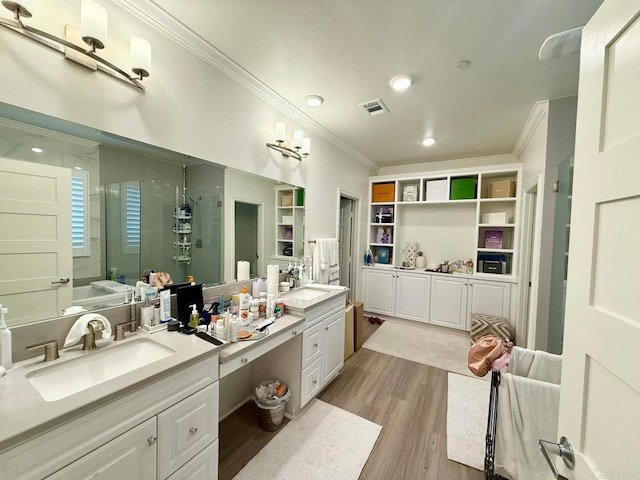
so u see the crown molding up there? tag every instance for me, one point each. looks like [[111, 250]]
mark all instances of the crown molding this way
[[538, 112], [151, 14]]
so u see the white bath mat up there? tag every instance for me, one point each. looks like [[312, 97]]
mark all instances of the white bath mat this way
[[444, 350], [323, 442], [467, 412]]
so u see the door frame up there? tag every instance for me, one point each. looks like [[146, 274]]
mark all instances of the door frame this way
[[530, 263], [261, 265], [355, 234]]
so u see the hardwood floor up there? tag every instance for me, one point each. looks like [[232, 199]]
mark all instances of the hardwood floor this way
[[408, 399]]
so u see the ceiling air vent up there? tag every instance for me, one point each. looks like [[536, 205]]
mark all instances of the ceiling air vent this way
[[374, 107]]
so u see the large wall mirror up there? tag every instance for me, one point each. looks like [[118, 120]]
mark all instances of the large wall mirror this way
[[124, 208], [131, 207]]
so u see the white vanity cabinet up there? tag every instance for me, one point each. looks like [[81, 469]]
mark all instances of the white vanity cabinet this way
[[412, 295], [132, 455], [489, 298], [165, 429], [379, 291], [397, 293], [449, 302], [333, 354], [435, 298]]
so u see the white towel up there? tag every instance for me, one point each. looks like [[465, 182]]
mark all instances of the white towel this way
[[326, 265], [536, 365], [80, 328], [527, 411]]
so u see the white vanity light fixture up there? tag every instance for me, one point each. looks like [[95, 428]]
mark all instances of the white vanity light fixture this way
[[36, 150], [93, 33], [428, 141], [400, 82], [313, 100], [298, 148]]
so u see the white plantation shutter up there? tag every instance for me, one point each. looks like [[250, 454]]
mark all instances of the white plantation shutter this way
[[80, 213], [131, 217]]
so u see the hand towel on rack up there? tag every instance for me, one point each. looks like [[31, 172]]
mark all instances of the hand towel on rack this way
[[334, 261], [322, 260]]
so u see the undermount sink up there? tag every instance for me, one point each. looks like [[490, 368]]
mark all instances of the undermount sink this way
[[72, 376], [305, 293]]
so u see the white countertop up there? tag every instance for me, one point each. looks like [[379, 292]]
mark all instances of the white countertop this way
[[22, 409], [283, 323], [492, 277]]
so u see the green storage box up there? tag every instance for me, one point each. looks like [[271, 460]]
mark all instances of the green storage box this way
[[299, 198], [463, 188]]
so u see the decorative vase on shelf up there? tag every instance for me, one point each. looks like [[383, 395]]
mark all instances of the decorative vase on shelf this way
[[421, 260], [410, 251]]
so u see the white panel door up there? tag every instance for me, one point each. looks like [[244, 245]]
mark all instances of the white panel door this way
[[379, 291], [333, 356], [412, 297], [489, 298], [35, 240], [600, 394], [132, 455], [448, 302]]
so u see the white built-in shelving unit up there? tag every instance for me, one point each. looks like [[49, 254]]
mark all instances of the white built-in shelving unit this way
[[289, 222], [454, 206]]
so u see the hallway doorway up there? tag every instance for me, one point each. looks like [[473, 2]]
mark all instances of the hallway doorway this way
[[246, 235], [347, 241]]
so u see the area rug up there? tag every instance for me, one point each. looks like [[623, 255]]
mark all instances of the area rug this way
[[447, 351], [467, 412], [323, 442]]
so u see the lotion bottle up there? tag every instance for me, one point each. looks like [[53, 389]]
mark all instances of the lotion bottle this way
[[5, 340]]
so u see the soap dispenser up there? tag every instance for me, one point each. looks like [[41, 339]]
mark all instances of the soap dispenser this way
[[5, 340], [194, 319]]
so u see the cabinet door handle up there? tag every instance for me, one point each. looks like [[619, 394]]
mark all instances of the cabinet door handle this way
[[326, 328], [151, 441], [193, 430], [294, 333], [243, 360], [314, 382], [315, 345]]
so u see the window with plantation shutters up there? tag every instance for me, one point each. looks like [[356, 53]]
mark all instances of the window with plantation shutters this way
[[131, 217], [80, 213]]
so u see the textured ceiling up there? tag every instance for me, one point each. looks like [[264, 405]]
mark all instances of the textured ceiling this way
[[347, 50]]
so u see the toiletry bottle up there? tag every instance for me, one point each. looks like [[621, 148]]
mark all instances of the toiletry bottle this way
[[235, 304], [5, 340], [194, 320], [191, 280], [234, 331], [245, 303], [262, 304]]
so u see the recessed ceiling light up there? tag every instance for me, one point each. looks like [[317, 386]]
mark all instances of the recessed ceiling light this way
[[400, 82], [313, 100], [427, 142], [462, 64], [37, 150]]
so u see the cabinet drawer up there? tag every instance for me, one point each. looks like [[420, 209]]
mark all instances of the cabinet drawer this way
[[311, 381], [186, 428], [312, 344], [204, 466], [263, 346], [132, 455], [314, 314]]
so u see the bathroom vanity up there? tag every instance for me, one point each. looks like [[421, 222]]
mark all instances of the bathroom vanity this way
[[157, 421]]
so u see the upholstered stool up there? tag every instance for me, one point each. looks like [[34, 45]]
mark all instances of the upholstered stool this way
[[482, 325]]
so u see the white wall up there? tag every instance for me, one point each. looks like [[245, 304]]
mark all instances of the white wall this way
[[550, 138], [189, 107]]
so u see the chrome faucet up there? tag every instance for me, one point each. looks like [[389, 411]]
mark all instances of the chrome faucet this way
[[89, 339]]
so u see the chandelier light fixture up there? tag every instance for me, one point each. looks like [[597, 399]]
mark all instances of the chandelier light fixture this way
[[92, 34], [299, 147]]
